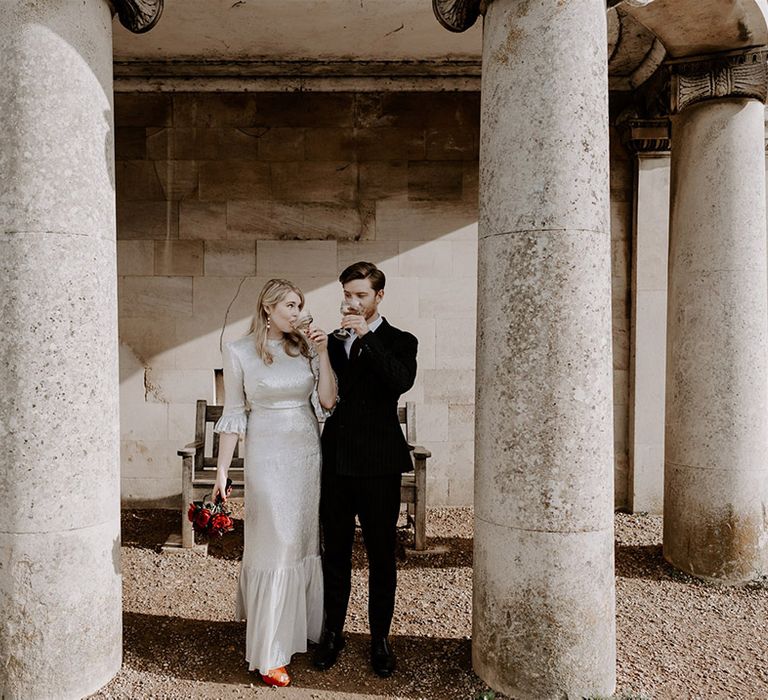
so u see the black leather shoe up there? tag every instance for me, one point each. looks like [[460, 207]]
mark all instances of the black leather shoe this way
[[382, 657], [328, 648]]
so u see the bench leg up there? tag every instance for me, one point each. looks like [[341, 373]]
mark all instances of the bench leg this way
[[420, 507], [187, 532]]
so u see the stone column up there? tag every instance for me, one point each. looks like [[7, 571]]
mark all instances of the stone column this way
[[649, 140], [543, 606], [60, 582], [716, 473]]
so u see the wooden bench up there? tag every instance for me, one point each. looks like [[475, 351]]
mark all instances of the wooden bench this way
[[199, 471]]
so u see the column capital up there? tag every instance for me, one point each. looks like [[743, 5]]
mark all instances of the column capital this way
[[646, 135], [458, 15], [739, 75], [138, 16]]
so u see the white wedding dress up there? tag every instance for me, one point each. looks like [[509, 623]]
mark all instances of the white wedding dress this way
[[280, 591]]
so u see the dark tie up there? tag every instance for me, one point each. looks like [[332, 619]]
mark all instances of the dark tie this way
[[354, 351]]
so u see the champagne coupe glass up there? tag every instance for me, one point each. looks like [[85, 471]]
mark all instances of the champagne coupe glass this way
[[348, 307], [303, 321]]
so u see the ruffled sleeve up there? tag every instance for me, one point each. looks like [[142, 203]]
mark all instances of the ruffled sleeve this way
[[321, 412], [233, 419]]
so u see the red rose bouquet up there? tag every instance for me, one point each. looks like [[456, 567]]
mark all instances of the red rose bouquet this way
[[209, 518]]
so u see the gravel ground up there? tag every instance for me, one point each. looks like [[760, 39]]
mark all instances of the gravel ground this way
[[677, 638]]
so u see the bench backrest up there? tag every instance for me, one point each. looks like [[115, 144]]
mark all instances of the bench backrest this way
[[207, 415]]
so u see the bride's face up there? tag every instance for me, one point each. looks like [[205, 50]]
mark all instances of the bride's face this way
[[283, 314]]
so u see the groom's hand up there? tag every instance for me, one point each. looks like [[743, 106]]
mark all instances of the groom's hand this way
[[358, 324]]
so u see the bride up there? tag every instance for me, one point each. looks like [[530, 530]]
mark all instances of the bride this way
[[277, 382]]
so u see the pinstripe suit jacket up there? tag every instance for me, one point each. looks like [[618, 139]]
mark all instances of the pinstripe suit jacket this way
[[363, 436]]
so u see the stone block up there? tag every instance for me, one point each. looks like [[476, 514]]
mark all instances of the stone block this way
[[435, 180], [330, 144], [135, 258], [130, 143], [295, 258], [138, 180], [178, 178], [621, 220], [302, 109], [426, 259], [183, 143], [460, 491], [179, 386], [298, 220], [384, 254], [401, 298], [181, 423], [230, 258], [202, 220], [432, 423], [452, 144], [449, 385], [620, 387], [387, 143], [471, 183], [198, 337], [383, 179], [184, 258], [144, 342], [214, 295], [461, 421], [280, 143], [464, 258], [448, 298], [147, 220], [415, 109], [455, 343], [232, 179], [207, 109], [437, 490], [140, 109], [150, 459], [333, 181], [154, 493], [239, 144], [620, 427], [424, 221], [155, 296]]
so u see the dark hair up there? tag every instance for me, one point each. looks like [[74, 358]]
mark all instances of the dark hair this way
[[364, 271]]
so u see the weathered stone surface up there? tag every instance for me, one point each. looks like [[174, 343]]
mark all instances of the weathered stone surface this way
[[717, 372], [130, 143], [294, 258], [147, 220], [556, 592], [178, 178], [330, 144], [59, 466], [329, 181], [224, 180], [435, 180], [543, 608], [382, 179], [143, 109], [155, 296], [202, 220], [135, 258], [230, 258], [184, 258]]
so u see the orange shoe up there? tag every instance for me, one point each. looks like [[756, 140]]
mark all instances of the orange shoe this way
[[277, 677]]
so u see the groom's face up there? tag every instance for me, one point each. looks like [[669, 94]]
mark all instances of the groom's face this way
[[360, 291]]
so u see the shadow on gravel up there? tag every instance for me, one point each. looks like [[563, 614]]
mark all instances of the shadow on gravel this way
[[150, 528], [204, 650], [647, 562]]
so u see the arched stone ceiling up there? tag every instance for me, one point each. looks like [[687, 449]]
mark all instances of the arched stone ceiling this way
[[696, 27]]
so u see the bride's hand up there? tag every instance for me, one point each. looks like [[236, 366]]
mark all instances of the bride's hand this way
[[319, 339], [220, 487]]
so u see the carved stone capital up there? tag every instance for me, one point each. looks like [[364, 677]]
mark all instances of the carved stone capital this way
[[457, 15], [138, 16], [646, 135], [741, 75]]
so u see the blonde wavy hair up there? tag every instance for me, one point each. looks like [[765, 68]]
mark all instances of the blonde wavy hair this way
[[273, 292]]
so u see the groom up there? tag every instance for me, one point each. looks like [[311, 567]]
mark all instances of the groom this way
[[364, 454]]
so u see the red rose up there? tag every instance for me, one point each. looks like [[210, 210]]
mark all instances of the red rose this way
[[192, 512], [202, 518], [221, 523]]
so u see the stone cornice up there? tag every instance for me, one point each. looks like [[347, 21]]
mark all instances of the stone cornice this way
[[138, 16], [457, 15], [739, 75]]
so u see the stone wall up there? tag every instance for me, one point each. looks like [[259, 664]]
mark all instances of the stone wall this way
[[219, 192]]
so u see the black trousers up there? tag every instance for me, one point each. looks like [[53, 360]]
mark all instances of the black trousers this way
[[376, 502]]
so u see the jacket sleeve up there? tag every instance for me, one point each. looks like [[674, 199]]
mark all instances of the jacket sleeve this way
[[395, 365]]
